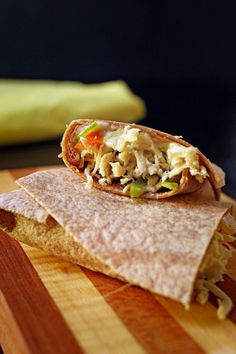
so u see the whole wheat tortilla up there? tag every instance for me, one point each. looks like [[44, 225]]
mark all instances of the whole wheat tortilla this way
[[18, 200], [26, 221], [158, 245], [188, 184]]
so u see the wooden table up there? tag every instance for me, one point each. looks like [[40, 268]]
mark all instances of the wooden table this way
[[92, 313]]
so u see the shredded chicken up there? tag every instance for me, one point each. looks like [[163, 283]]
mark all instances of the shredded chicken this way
[[180, 157], [214, 266], [128, 154]]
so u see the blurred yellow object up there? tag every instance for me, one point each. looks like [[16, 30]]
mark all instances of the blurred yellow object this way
[[39, 110]]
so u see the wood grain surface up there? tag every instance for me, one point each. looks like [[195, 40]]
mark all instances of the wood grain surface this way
[[95, 313], [30, 313]]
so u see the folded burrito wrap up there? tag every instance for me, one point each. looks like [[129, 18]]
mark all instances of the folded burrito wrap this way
[[26, 221], [32, 110], [163, 246], [135, 160]]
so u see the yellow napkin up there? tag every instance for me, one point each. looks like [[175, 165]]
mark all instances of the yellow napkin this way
[[39, 110]]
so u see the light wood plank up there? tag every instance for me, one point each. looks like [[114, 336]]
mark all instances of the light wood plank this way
[[155, 329], [213, 335], [7, 182], [94, 324]]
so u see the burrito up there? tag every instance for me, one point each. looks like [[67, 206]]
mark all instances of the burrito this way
[[136, 161], [176, 248]]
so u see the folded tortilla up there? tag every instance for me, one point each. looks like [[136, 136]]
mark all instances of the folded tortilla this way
[[137, 161], [168, 247], [26, 221]]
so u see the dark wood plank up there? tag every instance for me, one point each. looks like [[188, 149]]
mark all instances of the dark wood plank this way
[[31, 321], [20, 173]]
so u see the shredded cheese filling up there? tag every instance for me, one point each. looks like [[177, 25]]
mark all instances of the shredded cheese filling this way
[[128, 154], [214, 265]]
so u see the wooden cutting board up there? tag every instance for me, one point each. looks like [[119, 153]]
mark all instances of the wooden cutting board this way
[[51, 306]]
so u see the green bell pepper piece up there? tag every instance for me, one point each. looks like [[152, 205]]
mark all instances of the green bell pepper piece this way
[[137, 188], [170, 185], [88, 130]]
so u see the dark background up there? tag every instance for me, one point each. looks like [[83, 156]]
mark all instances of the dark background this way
[[180, 56]]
